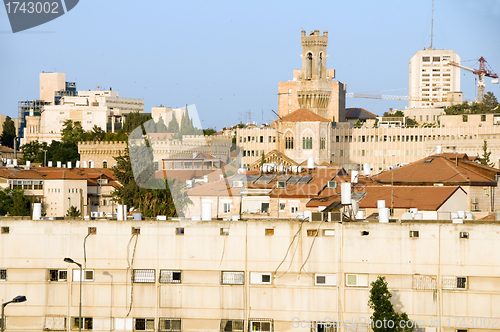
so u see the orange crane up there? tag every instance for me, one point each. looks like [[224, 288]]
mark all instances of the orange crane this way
[[482, 72]]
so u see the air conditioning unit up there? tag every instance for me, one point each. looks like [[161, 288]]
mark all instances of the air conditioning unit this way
[[334, 216], [238, 184], [332, 184], [316, 216]]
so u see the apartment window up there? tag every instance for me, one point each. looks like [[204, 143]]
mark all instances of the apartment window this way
[[325, 279], [224, 231], [260, 278], [259, 324], [269, 231], [179, 231], [170, 277], [426, 59], [322, 143], [226, 208], [294, 209], [5, 230], [289, 92], [55, 323], [357, 280], [454, 282], [262, 139], [88, 275], [87, 323], [170, 324], [144, 276], [475, 205], [424, 282], [328, 232], [289, 143], [436, 59], [58, 275], [414, 234], [464, 235], [312, 232], [3, 275], [231, 325], [289, 102], [232, 278], [323, 327], [483, 117], [144, 324], [365, 233]]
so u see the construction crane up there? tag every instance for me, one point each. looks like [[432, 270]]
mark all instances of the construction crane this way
[[481, 73]]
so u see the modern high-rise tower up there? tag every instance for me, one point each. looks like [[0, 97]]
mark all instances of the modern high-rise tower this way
[[313, 86], [432, 79]]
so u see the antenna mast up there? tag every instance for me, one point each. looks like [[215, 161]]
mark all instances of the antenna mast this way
[[432, 23]]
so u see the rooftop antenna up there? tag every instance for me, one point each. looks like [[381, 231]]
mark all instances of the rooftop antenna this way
[[432, 23]]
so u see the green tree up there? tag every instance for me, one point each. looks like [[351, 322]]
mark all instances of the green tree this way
[[33, 152], [398, 113], [384, 317], [14, 203], [160, 125], [72, 132], [63, 152], [490, 103], [173, 125], [358, 124], [411, 123], [134, 120], [73, 212], [209, 131], [8, 133], [97, 134], [152, 201], [485, 158]]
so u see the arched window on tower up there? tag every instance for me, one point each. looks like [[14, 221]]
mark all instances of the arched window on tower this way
[[104, 164], [309, 65], [320, 67], [289, 141]]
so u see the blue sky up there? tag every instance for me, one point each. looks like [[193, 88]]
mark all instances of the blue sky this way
[[227, 57]]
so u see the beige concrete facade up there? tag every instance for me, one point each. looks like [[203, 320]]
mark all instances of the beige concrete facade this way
[[431, 79], [50, 83], [255, 141], [382, 147], [435, 274]]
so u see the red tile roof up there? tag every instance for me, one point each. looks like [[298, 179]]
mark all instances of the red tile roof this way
[[437, 169], [405, 197], [303, 114]]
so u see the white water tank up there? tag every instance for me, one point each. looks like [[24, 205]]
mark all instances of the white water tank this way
[[69, 164], [355, 206], [84, 164], [58, 164], [49, 164], [310, 162], [345, 193], [366, 169], [37, 211], [360, 215], [28, 163], [77, 164], [354, 176], [380, 204], [137, 216], [438, 149], [14, 162], [383, 215], [206, 211]]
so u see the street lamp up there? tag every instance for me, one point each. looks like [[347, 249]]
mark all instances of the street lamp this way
[[17, 299], [69, 260]]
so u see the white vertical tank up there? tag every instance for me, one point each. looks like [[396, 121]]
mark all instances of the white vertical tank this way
[[354, 176], [58, 164], [37, 211], [49, 164], [366, 169], [383, 215], [380, 204], [310, 162], [206, 211], [345, 193]]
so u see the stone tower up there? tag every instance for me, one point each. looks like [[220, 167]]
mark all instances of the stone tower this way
[[313, 86]]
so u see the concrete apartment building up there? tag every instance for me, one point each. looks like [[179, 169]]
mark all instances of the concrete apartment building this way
[[59, 101], [431, 78], [241, 276], [90, 190]]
